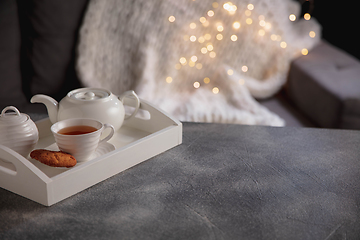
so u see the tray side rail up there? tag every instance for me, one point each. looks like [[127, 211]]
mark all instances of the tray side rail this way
[[149, 118]]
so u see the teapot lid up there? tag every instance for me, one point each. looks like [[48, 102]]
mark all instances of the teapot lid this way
[[89, 94], [12, 118]]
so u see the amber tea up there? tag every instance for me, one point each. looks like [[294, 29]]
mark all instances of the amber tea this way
[[77, 130]]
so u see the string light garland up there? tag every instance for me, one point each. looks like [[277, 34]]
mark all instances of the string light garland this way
[[208, 49]]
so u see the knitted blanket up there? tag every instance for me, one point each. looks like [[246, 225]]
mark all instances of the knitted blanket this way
[[200, 61]]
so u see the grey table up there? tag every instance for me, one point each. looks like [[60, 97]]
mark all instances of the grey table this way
[[223, 182]]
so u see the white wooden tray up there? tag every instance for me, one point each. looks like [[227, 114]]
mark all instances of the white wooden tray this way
[[139, 139]]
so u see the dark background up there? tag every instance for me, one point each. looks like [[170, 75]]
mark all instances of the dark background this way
[[340, 22]]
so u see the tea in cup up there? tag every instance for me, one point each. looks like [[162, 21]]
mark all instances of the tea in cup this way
[[80, 136]]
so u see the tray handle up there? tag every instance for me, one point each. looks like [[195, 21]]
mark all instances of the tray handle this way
[[155, 119], [13, 165], [20, 176]]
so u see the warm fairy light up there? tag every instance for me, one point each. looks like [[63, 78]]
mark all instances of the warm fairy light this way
[[206, 23], [182, 61], [171, 19], [169, 79], [226, 6], [236, 25], [212, 54], [250, 6], [312, 34], [233, 9], [201, 39], [230, 7], [262, 23], [215, 90], [192, 25], [268, 26], [249, 21], [292, 17]]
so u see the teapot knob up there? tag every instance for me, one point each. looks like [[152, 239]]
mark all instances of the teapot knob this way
[[10, 108], [89, 95]]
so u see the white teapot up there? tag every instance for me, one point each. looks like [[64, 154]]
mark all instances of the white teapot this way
[[17, 131], [95, 103]]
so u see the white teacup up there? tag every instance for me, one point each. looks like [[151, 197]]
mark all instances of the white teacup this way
[[80, 136]]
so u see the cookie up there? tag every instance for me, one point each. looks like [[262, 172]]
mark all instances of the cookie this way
[[53, 158]]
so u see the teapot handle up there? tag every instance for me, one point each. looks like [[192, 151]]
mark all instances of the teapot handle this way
[[129, 94]]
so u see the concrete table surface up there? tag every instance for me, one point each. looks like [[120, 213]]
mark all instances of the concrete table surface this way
[[223, 182]]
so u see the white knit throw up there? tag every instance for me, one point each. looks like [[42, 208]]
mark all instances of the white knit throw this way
[[199, 60]]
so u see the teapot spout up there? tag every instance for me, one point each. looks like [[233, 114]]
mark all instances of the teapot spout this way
[[51, 104]]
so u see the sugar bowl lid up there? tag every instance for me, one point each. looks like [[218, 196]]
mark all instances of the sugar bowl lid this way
[[12, 118]]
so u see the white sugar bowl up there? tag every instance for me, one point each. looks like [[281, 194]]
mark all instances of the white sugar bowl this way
[[18, 131]]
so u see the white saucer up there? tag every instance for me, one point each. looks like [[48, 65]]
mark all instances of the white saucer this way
[[102, 149]]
